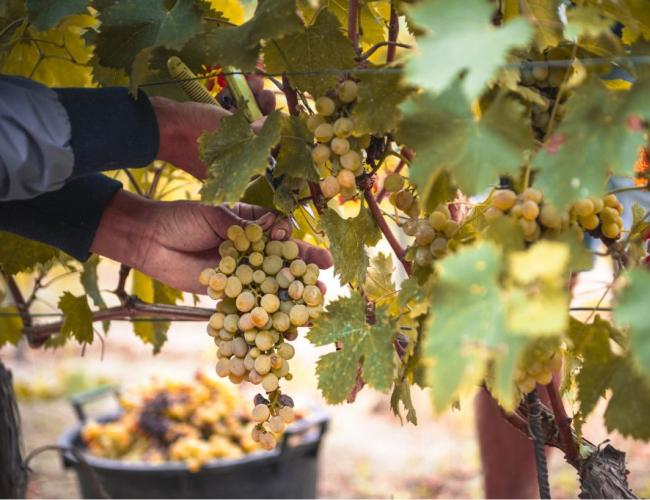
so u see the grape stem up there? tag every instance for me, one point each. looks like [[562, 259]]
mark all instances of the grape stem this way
[[563, 421], [290, 95], [378, 45], [393, 33], [19, 300], [353, 16]]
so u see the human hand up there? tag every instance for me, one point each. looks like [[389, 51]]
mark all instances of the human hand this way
[[174, 241], [181, 123]]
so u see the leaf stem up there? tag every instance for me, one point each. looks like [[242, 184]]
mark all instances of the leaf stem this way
[[627, 189], [563, 422], [378, 45], [19, 299], [291, 96]]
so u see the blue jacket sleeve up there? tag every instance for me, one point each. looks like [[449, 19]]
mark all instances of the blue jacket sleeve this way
[[67, 218]]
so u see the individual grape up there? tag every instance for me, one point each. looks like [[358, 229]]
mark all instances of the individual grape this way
[[255, 259], [540, 72], [423, 256], [245, 301], [258, 246], [237, 367], [414, 210], [281, 321], [216, 320], [529, 210], [269, 285], [250, 334], [285, 303], [583, 208], [233, 287], [213, 332], [286, 351], [438, 219], [550, 217], [347, 91], [242, 244], [346, 179], [325, 106], [245, 322], [253, 232], [528, 226], [263, 364], [298, 267], [330, 187], [290, 250], [272, 264], [254, 352], [314, 269], [438, 247], [532, 195], [259, 317], [324, 133], [230, 322], [259, 276], [609, 214], [598, 204], [261, 413], [270, 382], [340, 146], [223, 367], [424, 234], [610, 200], [274, 248], [276, 424], [225, 334], [227, 306], [610, 230], [245, 274], [239, 347], [206, 274], [264, 341], [314, 121], [403, 200], [491, 214], [225, 348], [503, 199], [350, 160], [287, 414], [545, 377], [314, 311], [299, 316], [267, 441], [270, 303], [291, 335], [451, 228], [296, 289], [540, 120], [254, 377], [234, 232], [312, 296], [590, 222], [227, 264], [393, 182], [320, 154], [343, 127], [227, 249], [410, 227], [218, 282]]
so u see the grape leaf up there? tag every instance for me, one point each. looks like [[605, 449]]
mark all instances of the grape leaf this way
[[402, 393], [321, 49], [415, 296], [631, 311], [628, 410], [445, 133], [46, 14], [377, 107], [379, 286], [153, 291], [372, 345], [18, 254], [234, 154], [504, 364], [597, 138], [294, 158], [239, 46], [88, 279], [348, 239], [78, 318], [455, 342], [545, 16], [11, 327], [461, 38], [128, 27]]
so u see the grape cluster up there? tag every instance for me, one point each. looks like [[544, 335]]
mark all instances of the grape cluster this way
[[338, 154], [265, 293], [402, 197], [537, 364], [600, 217]]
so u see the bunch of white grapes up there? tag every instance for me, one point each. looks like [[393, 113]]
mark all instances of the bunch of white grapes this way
[[265, 293], [402, 197], [338, 153], [599, 216], [537, 364]]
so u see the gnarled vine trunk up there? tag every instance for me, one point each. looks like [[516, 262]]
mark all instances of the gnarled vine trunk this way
[[13, 474]]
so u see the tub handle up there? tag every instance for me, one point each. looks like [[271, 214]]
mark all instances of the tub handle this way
[[79, 401]]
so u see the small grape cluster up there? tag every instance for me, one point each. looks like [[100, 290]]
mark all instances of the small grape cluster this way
[[537, 364], [599, 216], [338, 154], [265, 293], [402, 197]]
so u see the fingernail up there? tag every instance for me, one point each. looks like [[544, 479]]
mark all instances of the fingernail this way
[[280, 234], [266, 218]]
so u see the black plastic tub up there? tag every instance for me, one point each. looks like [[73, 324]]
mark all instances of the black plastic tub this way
[[290, 471]]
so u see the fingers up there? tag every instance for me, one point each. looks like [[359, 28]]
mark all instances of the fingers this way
[[256, 83], [278, 227], [312, 254], [266, 101], [221, 218]]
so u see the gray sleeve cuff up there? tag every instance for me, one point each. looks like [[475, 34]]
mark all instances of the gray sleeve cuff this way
[[35, 151]]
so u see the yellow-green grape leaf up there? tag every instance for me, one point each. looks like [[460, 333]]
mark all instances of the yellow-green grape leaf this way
[[460, 38], [259, 192], [628, 410], [599, 136], [88, 278], [587, 20], [465, 319], [77, 318], [348, 239], [631, 311], [321, 49], [46, 14], [376, 110], [379, 286], [545, 16], [414, 296], [128, 27], [294, 158], [446, 134], [345, 321], [153, 291], [18, 254], [240, 46], [442, 190], [11, 326], [234, 154], [504, 364], [402, 394]]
